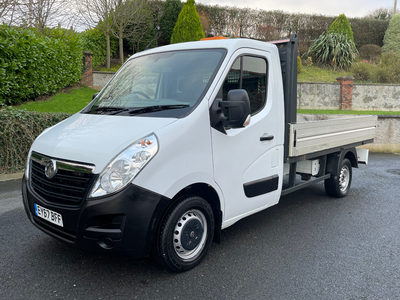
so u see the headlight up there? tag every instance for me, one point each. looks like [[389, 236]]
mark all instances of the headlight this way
[[125, 167]]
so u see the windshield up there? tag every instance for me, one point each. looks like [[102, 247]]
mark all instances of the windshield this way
[[167, 84]]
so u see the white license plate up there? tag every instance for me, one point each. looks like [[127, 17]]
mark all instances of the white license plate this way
[[48, 215]]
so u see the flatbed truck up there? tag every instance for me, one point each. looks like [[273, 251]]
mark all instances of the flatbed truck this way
[[184, 141]]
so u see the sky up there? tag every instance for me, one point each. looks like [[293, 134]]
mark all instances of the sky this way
[[351, 8]]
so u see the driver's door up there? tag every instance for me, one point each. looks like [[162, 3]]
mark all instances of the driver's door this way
[[248, 162]]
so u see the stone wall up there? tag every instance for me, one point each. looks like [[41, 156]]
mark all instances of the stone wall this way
[[312, 95], [100, 79], [376, 97], [387, 135]]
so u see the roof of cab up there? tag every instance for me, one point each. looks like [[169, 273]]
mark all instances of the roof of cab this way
[[230, 44]]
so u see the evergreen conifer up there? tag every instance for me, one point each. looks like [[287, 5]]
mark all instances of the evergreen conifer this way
[[342, 26], [391, 41], [188, 27]]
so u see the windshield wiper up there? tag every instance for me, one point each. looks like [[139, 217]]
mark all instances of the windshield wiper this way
[[110, 110], [148, 109]]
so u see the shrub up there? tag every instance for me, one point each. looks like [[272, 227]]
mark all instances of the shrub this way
[[384, 74], [299, 65], [341, 26], [94, 40], [391, 41], [370, 52], [388, 70], [32, 64], [333, 49], [18, 130], [188, 27], [362, 71]]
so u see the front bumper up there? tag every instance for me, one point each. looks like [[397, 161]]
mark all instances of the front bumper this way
[[126, 221]]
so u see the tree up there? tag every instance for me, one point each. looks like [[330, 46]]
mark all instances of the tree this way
[[391, 41], [130, 19], [188, 27], [172, 8], [383, 13], [205, 23], [39, 14], [95, 41], [341, 26], [6, 6], [98, 13]]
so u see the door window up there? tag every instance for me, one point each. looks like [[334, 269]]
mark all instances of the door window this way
[[248, 73]]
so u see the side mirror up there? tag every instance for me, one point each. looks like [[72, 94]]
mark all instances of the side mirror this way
[[237, 111], [238, 107], [95, 95]]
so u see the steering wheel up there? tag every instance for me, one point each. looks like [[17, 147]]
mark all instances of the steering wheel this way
[[141, 93]]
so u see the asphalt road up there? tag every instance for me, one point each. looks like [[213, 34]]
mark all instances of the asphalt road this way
[[309, 246]]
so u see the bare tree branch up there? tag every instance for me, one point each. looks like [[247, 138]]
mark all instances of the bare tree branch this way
[[39, 14], [98, 13], [7, 9], [130, 18]]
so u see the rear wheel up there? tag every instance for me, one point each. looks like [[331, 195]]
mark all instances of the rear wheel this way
[[186, 234], [339, 185]]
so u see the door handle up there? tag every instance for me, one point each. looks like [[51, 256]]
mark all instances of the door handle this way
[[266, 138]]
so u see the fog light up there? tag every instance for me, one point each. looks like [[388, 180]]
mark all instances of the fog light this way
[[105, 242]]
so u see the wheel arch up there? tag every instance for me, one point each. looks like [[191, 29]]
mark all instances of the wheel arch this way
[[209, 194], [334, 159], [351, 155]]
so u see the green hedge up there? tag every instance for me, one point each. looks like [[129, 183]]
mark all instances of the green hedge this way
[[18, 129], [95, 41], [276, 24], [32, 64], [368, 31]]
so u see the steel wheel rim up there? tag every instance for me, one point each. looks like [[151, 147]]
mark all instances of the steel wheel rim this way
[[344, 178], [190, 228]]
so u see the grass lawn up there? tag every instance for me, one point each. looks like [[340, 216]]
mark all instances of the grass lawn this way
[[77, 98], [316, 74], [113, 68], [70, 102]]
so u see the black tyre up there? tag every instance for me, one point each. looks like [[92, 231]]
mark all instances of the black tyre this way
[[339, 185], [186, 234]]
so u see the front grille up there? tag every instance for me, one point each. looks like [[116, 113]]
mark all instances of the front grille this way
[[70, 185]]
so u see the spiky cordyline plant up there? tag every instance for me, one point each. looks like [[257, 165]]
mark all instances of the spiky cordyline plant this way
[[333, 49]]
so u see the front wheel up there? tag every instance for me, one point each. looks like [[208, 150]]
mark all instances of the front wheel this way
[[186, 234], [338, 186]]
